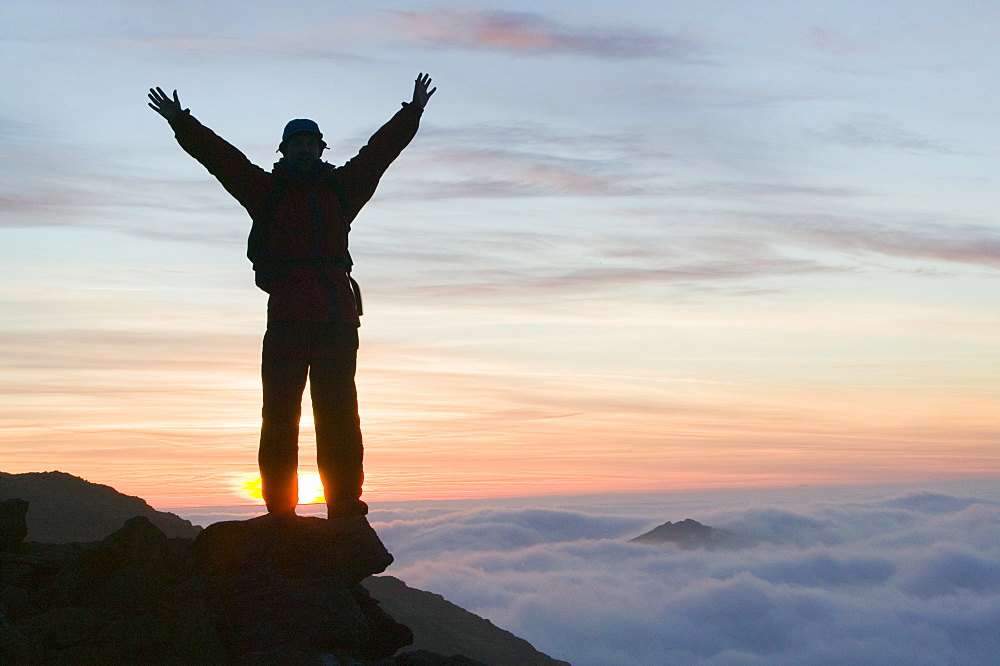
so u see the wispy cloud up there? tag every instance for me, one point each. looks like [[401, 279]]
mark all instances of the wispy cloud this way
[[42, 190], [681, 279], [878, 131], [835, 42], [533, 34], [667, 263], [313, 47], [673, 255], [534, 160], [500, 174], [976, 244], [714, 94]]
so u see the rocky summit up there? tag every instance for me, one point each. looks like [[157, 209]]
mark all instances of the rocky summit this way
[[256, 592], [345, 550]]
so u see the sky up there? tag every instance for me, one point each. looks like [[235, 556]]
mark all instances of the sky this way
[[689, 244], [860, 575]]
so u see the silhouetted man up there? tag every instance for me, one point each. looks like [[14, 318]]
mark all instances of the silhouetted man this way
[[302, 211]]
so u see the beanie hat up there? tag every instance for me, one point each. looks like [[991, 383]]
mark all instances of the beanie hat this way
[[299, 126]]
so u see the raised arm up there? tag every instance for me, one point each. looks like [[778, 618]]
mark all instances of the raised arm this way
[[360, 176], [240, 177]]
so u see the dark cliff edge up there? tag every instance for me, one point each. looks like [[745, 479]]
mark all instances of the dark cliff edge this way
[[296, 591]]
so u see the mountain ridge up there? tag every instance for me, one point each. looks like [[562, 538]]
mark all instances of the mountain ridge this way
[[64, 508]]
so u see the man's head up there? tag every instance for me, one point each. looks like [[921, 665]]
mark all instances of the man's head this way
[[302, 143]]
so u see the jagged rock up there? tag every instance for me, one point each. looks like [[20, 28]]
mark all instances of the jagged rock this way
[[130, 567], [13, 523], [120, 600], [68, 509], [274, 614], [284, 582], [15, 647], [687, 534], [346, 550]]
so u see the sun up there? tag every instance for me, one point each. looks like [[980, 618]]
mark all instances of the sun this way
[[310, 488]]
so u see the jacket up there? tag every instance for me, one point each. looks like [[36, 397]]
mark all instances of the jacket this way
[[301, 220]]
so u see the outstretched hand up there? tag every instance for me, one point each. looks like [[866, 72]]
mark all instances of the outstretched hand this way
[[163, 105], [420, 92]]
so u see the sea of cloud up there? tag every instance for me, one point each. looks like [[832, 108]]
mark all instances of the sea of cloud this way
[[816, 576]]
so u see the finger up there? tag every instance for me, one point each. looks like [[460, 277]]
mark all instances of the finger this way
[[176, 99], [431, 92]]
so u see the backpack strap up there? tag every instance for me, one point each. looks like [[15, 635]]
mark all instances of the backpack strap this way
[[257, 242], [338, 191]]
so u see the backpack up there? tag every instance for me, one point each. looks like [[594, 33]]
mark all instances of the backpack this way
[[267, 270]]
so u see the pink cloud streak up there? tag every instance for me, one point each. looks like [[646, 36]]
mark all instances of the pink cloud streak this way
[[524, 32]]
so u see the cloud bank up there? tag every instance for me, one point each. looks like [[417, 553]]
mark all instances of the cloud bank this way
[[914, 579]]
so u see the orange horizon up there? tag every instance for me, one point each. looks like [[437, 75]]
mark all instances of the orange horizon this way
[[444, 496], [244, 490]]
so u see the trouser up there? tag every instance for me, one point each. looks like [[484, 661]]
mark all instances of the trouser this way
[[326, 353]]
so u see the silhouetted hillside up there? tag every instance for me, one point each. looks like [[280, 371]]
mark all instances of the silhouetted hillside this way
[[67, 509], [442, 627]]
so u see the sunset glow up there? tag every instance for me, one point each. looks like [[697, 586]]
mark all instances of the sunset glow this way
[[310, 489], [656, 248]]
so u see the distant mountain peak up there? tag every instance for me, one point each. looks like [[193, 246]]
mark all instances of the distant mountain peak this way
[[688, 534]]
